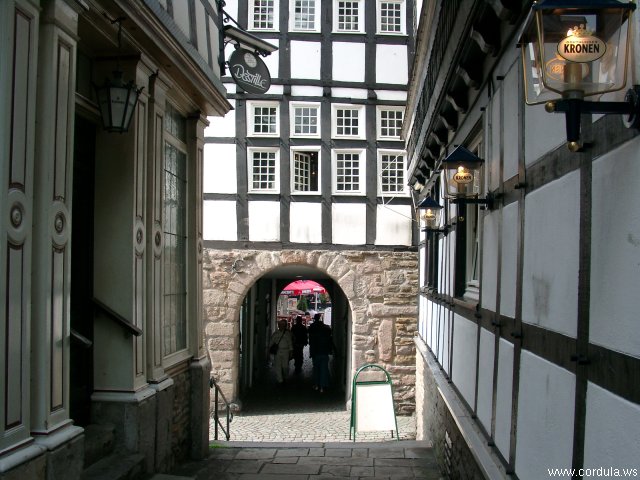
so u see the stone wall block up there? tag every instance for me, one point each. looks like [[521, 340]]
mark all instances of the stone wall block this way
[[293, 257], [385, 340], [221, 329], [347, 282]]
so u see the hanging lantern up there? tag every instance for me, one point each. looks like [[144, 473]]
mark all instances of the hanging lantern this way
[[462, 170], [430, 214], [576, 49], [117, 102]]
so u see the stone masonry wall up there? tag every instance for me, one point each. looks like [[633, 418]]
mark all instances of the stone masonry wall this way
[[381, 288]]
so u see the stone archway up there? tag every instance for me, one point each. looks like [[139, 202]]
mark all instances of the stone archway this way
[[381, 288]]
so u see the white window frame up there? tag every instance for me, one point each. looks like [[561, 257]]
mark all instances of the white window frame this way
[[292, 17], [361, 120], [250, 152], [405, 191], [403, 17], [276, 17], [379, 111], [292, 112], [304, 149], [362, 173], [336, 17], [251, 119]]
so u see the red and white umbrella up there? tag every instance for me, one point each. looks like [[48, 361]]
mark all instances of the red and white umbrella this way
[[302, 287]]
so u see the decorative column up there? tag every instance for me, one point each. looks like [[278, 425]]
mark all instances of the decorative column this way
[[19, 22], [53, 183]]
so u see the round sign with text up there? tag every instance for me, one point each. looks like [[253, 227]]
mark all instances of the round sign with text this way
[[249, 71]]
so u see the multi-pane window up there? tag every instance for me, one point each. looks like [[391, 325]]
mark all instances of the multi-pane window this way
[[349, 171], [392, 172], [263, 170], [263, 119], [263, 14], [305, 120], [347, 121], [348, 18], [390, 17], [305, 17], [174, 316], [390, 122], [304, 171]]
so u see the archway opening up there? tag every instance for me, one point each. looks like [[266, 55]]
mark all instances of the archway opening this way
[[284, 294]]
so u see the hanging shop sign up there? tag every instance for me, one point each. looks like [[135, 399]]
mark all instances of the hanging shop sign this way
[[249, 71]]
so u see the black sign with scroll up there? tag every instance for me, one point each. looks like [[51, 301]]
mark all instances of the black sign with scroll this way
[[249, 71]]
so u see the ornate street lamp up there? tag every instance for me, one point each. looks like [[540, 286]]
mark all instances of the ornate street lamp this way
[[462, 176], [576, 49], [117, 99], [430, 215]]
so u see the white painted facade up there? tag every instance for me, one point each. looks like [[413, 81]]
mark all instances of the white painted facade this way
[[546, 360]]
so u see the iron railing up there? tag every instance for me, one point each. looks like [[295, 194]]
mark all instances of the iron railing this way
[[216, 411]]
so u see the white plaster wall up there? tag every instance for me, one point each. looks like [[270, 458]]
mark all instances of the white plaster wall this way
[[181, 17], [509, 266], [611, 430], [465, 346], [511, 124], [546, 402], [305, 222], [219, 220], [201, 25], [219, 170], [222, 126], [485, 377], [444, 341], [393, 225], [348, 93], [305, 60], [615, 250], [391, 64], [305, 91], [549, 130], [349, 226], [492, 166], [348, 61], [504, 397], [272, 62], [550, 271], [231, 7], [422, 252], [490, 234], [264, 221], [391, 95]]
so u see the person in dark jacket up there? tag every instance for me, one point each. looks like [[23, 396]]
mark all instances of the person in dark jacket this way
[[320, 347], [300, 340]]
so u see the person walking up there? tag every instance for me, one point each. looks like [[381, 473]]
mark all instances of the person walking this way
[[320, 347], [300, 340], [281, 347]]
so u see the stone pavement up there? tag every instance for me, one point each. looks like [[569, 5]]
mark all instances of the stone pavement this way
[[314, 461], [296, 433]]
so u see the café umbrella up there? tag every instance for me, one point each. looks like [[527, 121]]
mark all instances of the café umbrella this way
[[302, 287]]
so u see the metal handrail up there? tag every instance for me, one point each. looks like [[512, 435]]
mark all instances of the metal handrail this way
[[117, 318], [216, 417]]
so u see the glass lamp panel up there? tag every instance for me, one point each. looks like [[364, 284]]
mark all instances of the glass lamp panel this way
[[575, 53], [430, 218], [462, 181]]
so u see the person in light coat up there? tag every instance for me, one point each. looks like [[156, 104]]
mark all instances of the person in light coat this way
[[282, 338]]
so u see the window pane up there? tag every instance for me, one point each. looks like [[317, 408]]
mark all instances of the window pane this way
[[347, 122], [263, 13], [347, 172], [348, 16], [264, 119], [392, 174], [263, 170], [305, 120], [390, 123], [174, 250], [391, 17], [305, 15]]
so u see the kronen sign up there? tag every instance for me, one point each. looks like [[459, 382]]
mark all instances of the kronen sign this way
[[580, 47]]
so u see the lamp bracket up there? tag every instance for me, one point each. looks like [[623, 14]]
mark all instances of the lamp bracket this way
[[488, 201]]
